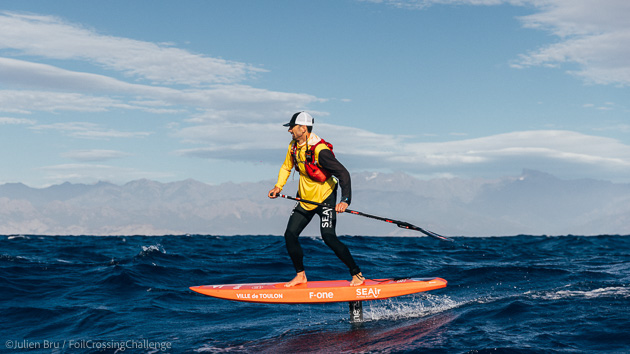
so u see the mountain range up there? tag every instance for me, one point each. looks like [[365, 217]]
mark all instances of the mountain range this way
[[534, 203]]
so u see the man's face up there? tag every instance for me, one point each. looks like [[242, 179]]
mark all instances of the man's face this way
[[297, 131]]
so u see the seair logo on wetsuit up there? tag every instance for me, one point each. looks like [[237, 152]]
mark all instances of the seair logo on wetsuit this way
[[327, 217]]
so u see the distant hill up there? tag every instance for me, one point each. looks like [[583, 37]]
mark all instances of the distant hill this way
[[532, 203]]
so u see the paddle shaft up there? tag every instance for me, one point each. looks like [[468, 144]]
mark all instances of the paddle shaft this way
[[401, 224]]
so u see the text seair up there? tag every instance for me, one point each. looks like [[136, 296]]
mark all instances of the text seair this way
[[364, 293]]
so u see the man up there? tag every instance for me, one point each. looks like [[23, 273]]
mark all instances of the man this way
[[316, 163]]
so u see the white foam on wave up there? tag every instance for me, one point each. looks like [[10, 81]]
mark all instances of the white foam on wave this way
[[153, 248], [10, 258], [18, 237], [421, 305], [615, 291], [213, 349]]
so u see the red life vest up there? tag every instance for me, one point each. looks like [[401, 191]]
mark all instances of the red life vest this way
[[312, 168]]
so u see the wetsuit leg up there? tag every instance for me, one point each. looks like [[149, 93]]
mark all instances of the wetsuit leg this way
[[328, 218], [297, 222]]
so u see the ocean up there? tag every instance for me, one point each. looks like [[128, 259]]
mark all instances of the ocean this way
[[521, 294]]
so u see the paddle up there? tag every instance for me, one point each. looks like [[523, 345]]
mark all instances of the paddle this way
[[401, 224]]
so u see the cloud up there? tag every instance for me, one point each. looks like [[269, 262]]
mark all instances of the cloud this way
[[422, 4], [268, 142], [223, 118], [600, 58], [207, 86], [557, 145], [51, 81], [202, 92], [550, 150], [218, 98], [94, 155], [25, 102], [88, 130], [91, 173], [51, 37], [594, 36], [89, 93], [624, 128], [16, 121], [43, 76], [231, 141]]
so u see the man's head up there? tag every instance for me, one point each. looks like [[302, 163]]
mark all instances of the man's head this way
[[301, 118], [300, 124]]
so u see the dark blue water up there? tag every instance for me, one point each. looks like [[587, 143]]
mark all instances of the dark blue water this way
[[506, 294]]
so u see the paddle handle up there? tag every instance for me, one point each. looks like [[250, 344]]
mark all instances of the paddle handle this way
[[401, 224]]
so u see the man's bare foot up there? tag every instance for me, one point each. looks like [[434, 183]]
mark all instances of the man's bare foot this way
[[300, 278], [357, 280]]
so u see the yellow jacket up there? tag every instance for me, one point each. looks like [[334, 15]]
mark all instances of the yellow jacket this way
[[308, 188]]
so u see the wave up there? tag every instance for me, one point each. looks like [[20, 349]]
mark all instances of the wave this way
[[521, 294], [419, 305], [152, 249], [615, 292], [18, 237]]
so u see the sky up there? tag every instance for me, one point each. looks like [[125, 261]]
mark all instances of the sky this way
[[121, 90]]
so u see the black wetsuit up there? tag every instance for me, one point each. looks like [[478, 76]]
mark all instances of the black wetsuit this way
[[300, 218]]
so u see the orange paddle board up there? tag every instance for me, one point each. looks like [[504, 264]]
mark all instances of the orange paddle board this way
[[320, 291]]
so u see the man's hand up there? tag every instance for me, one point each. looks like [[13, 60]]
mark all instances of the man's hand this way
[[341, 207], [275, 191]]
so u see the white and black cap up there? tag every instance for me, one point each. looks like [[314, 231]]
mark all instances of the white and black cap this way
[[300, 118]]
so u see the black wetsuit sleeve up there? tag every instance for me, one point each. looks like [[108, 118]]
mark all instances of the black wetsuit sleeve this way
[[329, 162]]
